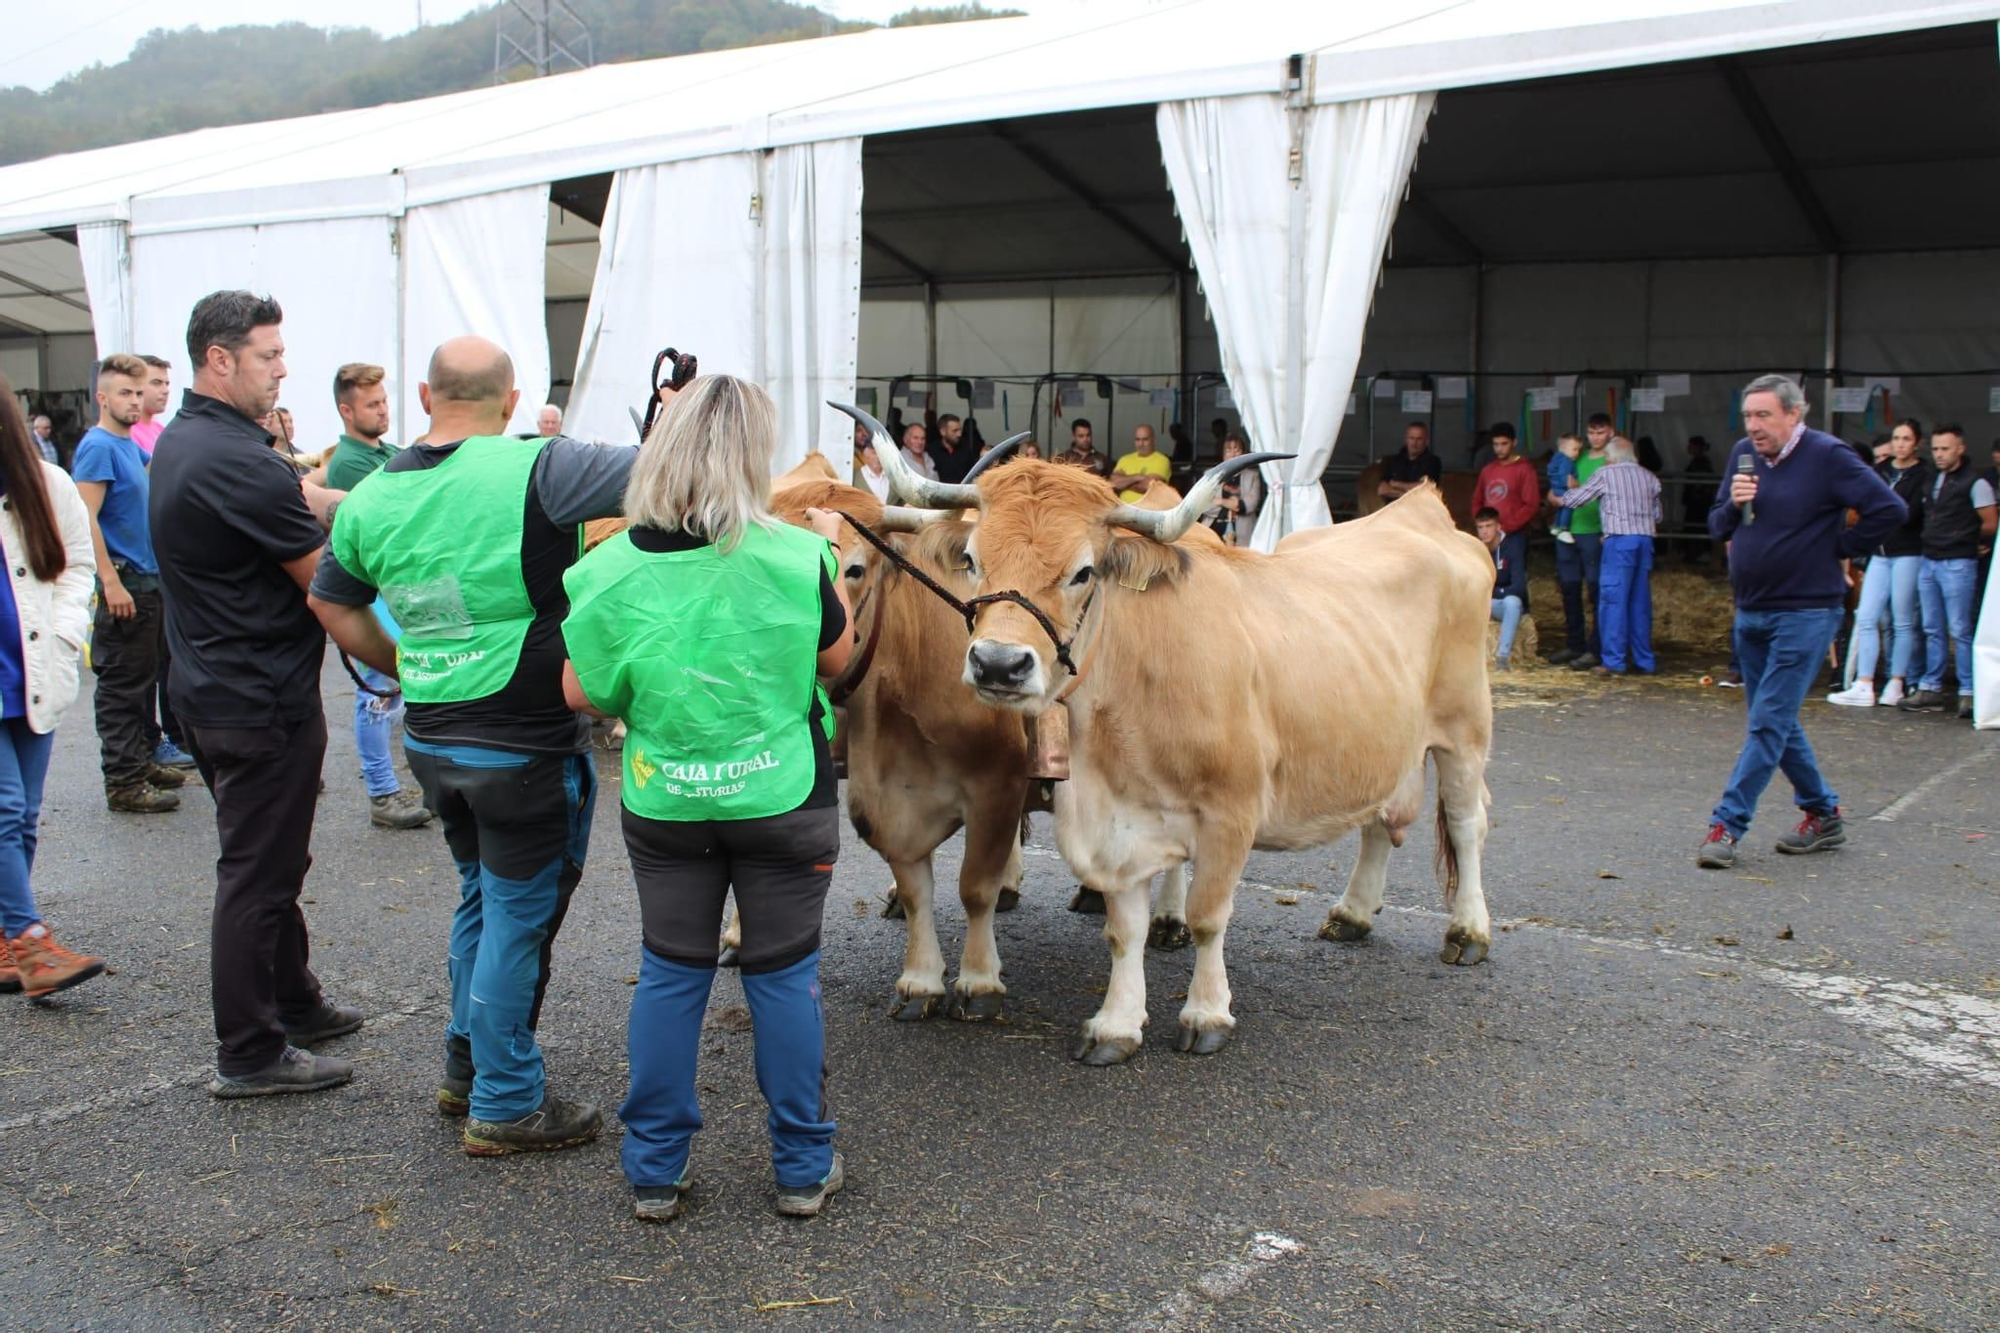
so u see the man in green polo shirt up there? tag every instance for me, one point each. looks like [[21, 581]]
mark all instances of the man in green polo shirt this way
[[363, 401]]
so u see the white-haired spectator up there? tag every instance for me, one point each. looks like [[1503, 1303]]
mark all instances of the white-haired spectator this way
[[1631, 515], [548, 421]]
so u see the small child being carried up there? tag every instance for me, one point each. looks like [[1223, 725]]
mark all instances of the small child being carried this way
[[1562, 476]]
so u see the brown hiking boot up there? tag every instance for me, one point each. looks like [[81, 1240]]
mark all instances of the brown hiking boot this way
[[166, 779], [46, 967], [141, 798], [10, 976]]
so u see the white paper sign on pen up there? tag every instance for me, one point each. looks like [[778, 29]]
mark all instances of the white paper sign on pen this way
[[1649, 400], [982, 395], [1545, 399], [1565, 385], [1385, 389], [1451, 388], [1675, 386], [1992, 399], [919, 398], [1850, 400], [1416, 400], [1224, 398], [1160, 398]]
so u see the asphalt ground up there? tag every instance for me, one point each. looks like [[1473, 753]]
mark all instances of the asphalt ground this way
[[1670, 1099]]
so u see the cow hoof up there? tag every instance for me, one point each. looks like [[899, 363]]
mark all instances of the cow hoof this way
[[1342, 931], [1168, 934], [985, 1007], [916, 1008], [1462, 950], [1088, 902], [892, 907], [1201, 1041], [1008, 900], [729, 958], [1101, 1051]]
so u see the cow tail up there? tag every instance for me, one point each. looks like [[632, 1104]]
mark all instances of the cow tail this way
[[1447, 858]]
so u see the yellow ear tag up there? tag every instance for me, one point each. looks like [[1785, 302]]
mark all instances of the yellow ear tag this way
[[1135, 583]]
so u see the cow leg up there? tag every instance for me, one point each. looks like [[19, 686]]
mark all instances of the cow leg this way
[[1169, 930], [1206, 1023], [1354, 915], [1462, 818], [978, 995], [920, 990], [1010, 879], [1112, 1035], [1087, 901]]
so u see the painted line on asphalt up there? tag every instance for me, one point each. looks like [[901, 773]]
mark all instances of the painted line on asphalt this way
[[1889, 813], [1185, 1309], [185, 1078]]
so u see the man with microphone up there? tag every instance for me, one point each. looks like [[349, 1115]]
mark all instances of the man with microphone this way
[[1782, 508]]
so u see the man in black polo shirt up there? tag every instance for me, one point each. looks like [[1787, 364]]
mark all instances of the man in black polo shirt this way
[[237, 546], [1406, 471]]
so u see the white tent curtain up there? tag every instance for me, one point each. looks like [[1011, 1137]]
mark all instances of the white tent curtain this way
[[1317, 241], [1986, 654], [335, 280], [752, 261], [107, 282], [477, 265]]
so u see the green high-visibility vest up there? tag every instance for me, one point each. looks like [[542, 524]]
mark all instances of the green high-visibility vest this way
[[443, 545], [709, 658]]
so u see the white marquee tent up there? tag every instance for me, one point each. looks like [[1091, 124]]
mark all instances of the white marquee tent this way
[[1705, 166]]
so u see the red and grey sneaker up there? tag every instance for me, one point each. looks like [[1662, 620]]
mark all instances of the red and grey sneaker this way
[[10, 976], [1816, 833], [1718, 849]]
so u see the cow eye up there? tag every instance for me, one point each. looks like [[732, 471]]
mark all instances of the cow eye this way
[[1083, 576], [967, 563], [855, 571]]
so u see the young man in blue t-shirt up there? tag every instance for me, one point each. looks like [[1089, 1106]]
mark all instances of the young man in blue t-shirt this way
[[128, 637]]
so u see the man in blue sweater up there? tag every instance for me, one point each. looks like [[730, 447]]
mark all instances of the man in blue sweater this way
[[1785, 519]]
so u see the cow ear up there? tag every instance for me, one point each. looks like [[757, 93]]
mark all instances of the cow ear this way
[[940, 546], [1136, 562]]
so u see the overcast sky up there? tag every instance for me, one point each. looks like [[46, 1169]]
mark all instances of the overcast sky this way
[[47, 41]]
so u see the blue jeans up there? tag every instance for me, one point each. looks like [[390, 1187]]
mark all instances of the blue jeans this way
[[1889, 585], [24, 762], [1506, 610], [1578, 569], [1625, 603], [374, 719], [1780, 653], [518, 827], [1945, 588]]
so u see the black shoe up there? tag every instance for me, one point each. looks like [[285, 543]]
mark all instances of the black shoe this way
[[660, 1203], [332, 1020], [1583, 663], [1965, 707], [1731, 680], [1924, 701], [554, 1124], [1815, 833], [294, 1071], [1561, 656], [807, 1200], [455, 1088]]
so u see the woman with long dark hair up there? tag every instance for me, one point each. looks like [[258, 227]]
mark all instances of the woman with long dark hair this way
[[44, 613], [1890, 581]]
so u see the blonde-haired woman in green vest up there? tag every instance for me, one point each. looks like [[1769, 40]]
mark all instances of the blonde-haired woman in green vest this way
[[705, 626]]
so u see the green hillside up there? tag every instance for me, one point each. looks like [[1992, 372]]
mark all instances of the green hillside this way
[[190, 79]]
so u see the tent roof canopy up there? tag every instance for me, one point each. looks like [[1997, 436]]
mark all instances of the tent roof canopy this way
[[1118, 53]]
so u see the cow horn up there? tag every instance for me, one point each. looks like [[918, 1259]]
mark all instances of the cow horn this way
[[1168, 525], [902, 518], [999, 453], [905, 482]]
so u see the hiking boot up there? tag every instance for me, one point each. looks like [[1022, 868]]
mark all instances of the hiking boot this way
[[454, 1096], [1583, 662], [168, 755], [10, 976], [1561, 657], [660, 1203], [400, 809], [1815, 833], [140, 798], [332, 1020], [1861, 694], [45, 967], [807, 1200], [1718, 849], [554, 1124], [1965, 707], [166, 779], [294, 1071], [1924, 701]]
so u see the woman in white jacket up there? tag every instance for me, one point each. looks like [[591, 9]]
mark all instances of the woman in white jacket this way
[[44, 610]]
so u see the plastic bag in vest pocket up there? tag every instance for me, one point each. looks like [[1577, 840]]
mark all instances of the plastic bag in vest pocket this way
[[432, 610]]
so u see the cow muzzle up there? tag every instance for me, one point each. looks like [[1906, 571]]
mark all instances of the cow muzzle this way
[[1006, 675]]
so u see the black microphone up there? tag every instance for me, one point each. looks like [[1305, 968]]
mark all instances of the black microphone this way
[[1744, 465]]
